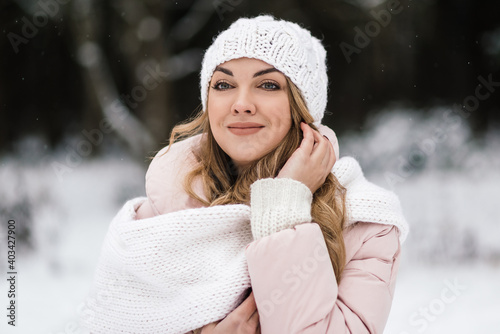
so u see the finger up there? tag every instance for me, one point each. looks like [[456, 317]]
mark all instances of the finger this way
[[251, 301], [247, 308], [307, 143], [321, 149], [318, 138], [327, 158], [254, 320], [325, 154], [208, 328]]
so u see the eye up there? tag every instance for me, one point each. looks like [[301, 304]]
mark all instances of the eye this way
[[270, 85], [221, 85]]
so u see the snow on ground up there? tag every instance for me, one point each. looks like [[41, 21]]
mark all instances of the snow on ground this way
[[448, 280], [446, 299], [55, 278]]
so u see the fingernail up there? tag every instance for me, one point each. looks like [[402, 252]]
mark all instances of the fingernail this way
[[326, 137]]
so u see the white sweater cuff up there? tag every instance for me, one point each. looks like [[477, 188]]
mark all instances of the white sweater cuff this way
[[278, 204]]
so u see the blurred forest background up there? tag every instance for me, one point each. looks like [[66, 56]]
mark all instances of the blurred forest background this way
[[62, 62], [90, 89]]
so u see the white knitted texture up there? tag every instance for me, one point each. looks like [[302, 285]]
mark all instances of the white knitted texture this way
[[180, 271], [367, 202], [278, 204], [171, 273], [285, 45]]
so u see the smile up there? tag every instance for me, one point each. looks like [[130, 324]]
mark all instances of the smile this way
[[244, 128], [245, 131]]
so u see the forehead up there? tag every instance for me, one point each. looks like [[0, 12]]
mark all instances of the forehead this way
[[244, 61]]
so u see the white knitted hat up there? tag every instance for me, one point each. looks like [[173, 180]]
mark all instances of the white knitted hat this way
[[285, 45]]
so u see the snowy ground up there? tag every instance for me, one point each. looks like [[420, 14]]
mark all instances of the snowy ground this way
[[448, 280], [54, 279], [446, 299]]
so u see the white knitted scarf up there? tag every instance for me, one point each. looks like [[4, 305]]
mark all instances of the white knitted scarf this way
[[180, 271]]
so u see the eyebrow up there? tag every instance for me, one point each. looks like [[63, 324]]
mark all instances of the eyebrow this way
[[228, 72], [224, 70]]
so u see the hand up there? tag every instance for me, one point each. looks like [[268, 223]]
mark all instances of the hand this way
[[312, 161], [242, 320]]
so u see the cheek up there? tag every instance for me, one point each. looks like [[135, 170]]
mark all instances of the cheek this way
[[212, 110], [217, 106], [282, 113]]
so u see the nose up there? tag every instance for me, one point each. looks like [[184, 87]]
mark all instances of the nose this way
[[243, 103]]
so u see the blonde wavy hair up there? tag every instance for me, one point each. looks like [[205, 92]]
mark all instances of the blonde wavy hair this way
[[224, 185]]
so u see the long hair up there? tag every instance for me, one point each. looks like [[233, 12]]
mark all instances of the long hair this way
[[224, 185]]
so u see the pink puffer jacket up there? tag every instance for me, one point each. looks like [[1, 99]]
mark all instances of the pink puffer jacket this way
[[294, 285]]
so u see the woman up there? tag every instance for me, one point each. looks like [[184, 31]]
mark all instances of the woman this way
[[254, 196]]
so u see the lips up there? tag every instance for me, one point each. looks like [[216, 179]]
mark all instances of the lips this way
[[244, 128], [244, 125]]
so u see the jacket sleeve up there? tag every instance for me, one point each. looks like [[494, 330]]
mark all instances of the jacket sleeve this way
[[295, 286]]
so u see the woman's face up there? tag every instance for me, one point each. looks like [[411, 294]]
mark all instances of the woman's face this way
[[248, 109]]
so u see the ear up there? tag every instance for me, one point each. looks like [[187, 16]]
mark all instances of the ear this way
[[324, 130]]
